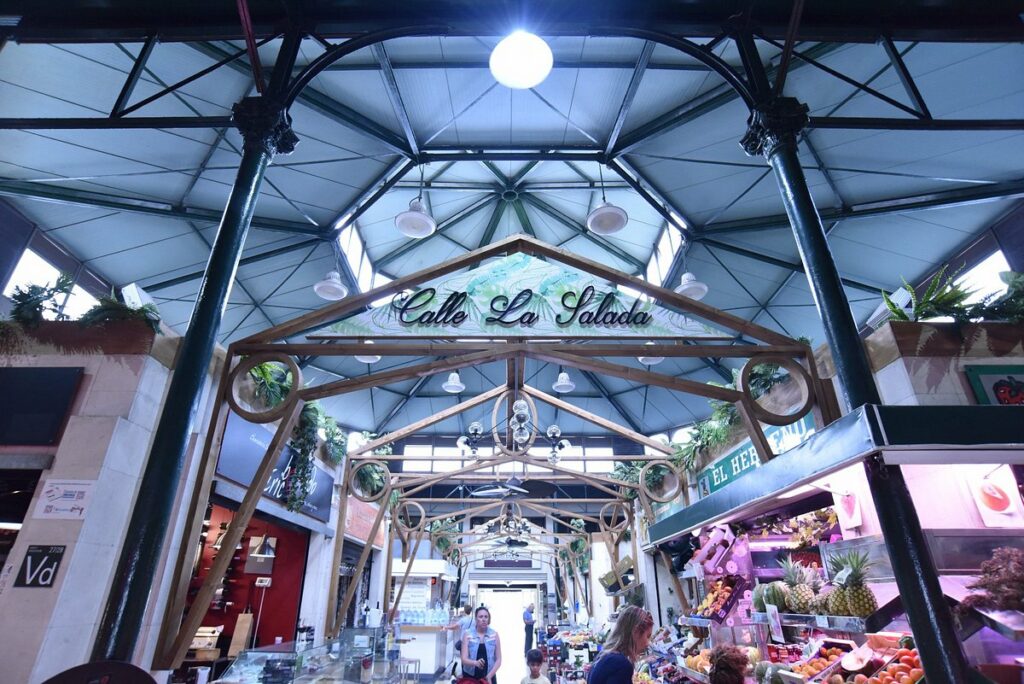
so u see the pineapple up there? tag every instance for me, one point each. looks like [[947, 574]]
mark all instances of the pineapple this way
[[800, 593], [859, 598], [836, 603], [819, 606]]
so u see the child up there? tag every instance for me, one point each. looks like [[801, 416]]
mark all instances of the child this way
[[534, 660]]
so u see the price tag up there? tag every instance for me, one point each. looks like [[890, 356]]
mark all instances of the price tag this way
[[774, 623], [842, 577], [821, 621]]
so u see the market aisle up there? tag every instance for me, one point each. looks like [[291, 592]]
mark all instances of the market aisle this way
[[507, 619]]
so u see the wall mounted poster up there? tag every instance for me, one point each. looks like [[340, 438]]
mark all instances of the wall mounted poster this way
[[1000, 385], [996, 495], [64, 499]]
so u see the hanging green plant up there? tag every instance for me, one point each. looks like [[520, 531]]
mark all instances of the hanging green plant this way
[[110, 308], [439, 533], [579, 545], [29, 304]]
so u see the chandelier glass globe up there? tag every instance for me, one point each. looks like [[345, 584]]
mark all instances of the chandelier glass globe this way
[[521, 60]]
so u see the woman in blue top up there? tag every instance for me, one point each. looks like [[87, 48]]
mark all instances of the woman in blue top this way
[[626, 643], [481, 649]]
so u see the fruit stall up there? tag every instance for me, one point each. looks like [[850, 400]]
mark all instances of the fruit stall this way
[[790, 565]]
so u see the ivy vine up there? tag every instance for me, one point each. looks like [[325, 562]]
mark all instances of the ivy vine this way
[[272, 384]]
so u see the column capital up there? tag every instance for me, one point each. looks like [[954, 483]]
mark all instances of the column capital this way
[[264, 123], [773, 123]]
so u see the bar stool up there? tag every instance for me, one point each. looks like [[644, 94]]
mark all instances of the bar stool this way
[[409, 670]]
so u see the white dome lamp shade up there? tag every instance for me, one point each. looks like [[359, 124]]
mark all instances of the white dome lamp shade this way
[[331, 288], [454, 384], [690, 287], [367, 358], [521, 60], [563, 383], [606, 218], [650, 360], [416, 222]]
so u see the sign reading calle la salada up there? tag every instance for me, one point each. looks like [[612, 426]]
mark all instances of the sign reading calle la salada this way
[[516, 311], [519, 294]]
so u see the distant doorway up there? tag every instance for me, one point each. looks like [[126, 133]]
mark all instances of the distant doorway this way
[[507, 605]]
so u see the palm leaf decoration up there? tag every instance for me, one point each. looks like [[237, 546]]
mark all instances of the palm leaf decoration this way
[[30, 303]]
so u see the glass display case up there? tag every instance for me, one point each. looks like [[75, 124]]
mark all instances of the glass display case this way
[[357, 656]]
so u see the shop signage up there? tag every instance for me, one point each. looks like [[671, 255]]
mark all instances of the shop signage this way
[[39, 567], [743, 459], [519, 294], [359, 518], [584, 308], [243, 448], [64, 499]]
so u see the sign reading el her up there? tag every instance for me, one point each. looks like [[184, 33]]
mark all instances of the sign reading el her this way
[[585, 308], [743, 458]]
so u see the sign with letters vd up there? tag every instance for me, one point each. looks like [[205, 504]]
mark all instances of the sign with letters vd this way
[[39, 567]]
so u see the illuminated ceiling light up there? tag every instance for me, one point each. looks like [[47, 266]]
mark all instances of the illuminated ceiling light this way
[[690, 287], [650, 360], [521, 60], [331, 288], [415, 223], [454, 384], [563, 383], [606, 218], [367, 358]]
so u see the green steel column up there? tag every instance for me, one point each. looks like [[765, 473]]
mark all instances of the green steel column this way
[[773, 128], [266, 129]]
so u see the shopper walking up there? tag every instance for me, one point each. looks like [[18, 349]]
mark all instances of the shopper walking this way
[[623, 647], [460, 627], [481, 649], [529, 622]]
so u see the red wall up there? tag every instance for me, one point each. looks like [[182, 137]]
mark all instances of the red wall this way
[[280, 612]]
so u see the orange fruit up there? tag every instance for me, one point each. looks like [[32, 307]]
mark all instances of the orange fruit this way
[[916, 674]]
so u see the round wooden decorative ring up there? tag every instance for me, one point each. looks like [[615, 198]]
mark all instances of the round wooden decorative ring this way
[[370, 498], [242, 369], [498, 443], [403, 528], [618, 527], [796, 371], [664, 498]]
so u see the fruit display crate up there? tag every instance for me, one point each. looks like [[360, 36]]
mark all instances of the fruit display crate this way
[[695, 621], [875, 622], [739, 585], [694, 675]]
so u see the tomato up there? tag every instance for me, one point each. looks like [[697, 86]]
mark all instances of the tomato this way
[[905, 679], [903, 652], [907, 660], [916, 674]]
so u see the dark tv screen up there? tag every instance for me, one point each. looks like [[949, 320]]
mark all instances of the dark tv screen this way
[[34, 404]]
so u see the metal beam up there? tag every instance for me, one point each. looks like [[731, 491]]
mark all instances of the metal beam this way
[[482, 64], [85, 198], [904, 73], [504, 154], [659, 203], [896, 205], [524, 220], [781, 263], [889, 124], [245, 261], [106, 123], [321, 103], [611, 400], [133, 76], [699, 106], [441, 227], [627, 101], [580, 230], [377, 188], [395, 96], [401, 404]]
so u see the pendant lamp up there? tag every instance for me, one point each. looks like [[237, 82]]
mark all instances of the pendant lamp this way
[[650, 360], [606, 218], [563, 383], [264, 550], [454, 384], [331, 288], [367, 358], [416, 222], [690, 287]]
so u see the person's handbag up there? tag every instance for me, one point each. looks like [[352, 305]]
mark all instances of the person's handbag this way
[[471, 680]]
